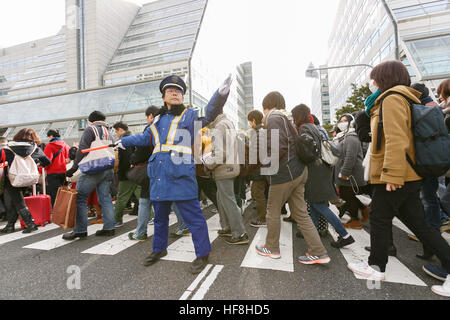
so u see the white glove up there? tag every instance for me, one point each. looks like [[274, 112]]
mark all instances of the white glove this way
[[225, 87], [118, 144]]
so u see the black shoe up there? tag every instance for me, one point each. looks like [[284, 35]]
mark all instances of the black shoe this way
[[30, 228], [8, 229], [341, 242], [154, 258], [72, 236], [199, 264], [392, 252], [105, 233], [225, 233], [238, 241]]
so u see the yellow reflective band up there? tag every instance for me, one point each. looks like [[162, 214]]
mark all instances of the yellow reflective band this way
[[168, 148], [173, 128], [155, 135]]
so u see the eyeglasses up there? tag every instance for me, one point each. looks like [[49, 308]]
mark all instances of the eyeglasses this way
[[173, 90]]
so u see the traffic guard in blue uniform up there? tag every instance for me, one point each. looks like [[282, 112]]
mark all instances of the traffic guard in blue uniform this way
[[171, 168]]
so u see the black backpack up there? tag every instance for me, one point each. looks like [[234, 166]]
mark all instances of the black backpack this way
[[431, 139]]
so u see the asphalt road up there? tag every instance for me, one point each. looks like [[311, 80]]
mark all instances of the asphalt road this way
[[37, 274]]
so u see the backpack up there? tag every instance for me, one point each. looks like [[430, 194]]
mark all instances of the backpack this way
[[308, 145], [23, 171], [431, 139]]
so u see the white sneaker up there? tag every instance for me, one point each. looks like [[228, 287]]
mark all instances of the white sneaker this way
[[366, 271], [443, 290]]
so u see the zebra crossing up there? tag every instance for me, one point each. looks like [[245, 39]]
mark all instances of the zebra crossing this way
[[182, 250]]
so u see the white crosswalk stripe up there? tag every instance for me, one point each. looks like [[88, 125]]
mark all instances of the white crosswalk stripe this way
[[19, 235], [58, 241], [121, 243], [183, 249]]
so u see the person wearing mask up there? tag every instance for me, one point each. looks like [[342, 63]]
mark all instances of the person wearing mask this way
[[319, 189], [287, 185], [172, 169], [58, 152], [349, 171], [126, 187], [25, 143], [100, 181], [396, 186], [258, 182], [224, 165], [140, 159]]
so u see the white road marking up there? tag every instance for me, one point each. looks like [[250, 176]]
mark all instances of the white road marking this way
[[19, 235], [58, 241], [183, 249], [286, 263], [194, 284], [396, 272], [118, 244], [201, 292]]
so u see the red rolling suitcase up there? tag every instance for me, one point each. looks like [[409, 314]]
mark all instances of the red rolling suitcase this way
[[40, 206]]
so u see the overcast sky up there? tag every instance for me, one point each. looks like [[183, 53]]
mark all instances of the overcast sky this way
[[280, 37]]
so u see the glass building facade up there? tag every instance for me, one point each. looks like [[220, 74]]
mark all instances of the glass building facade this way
[[161, 39]]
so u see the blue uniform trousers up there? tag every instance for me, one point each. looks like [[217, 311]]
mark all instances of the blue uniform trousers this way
[[194, 219]]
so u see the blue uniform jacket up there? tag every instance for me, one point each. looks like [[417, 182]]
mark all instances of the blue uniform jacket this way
[[172, 175]]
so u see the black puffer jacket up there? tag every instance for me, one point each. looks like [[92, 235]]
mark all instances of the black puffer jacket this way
[[24, 149]]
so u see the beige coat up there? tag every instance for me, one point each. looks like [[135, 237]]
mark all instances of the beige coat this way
[[389, 164], [217, 163]]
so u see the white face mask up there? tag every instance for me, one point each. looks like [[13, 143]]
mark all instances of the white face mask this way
[[343, 126]]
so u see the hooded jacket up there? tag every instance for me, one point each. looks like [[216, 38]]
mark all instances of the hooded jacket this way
[[221, 167], [290, 166], [389, 164], [58, 163], [24, 149]]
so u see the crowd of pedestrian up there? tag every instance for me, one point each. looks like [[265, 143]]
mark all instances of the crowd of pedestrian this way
[[181, 157]]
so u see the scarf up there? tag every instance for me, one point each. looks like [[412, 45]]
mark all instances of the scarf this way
[[370, 101], [341, 135], [175, 110], [310, 120], [55, 139]]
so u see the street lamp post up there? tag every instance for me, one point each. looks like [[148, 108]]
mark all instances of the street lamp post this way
[[311, 72], [394, 23]]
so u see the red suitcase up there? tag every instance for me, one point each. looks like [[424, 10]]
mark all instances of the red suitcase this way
[[40, 206]]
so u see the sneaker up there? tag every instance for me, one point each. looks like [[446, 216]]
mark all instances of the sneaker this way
[[436, 272], [225, 233], [133, 236], [118, 224], [152, 222], [308, 259], [261, 250], [413, 237], [341, 242], [366, 271], [353, 224], [443, 290], [180, 233], [243, 239], [258, 224]]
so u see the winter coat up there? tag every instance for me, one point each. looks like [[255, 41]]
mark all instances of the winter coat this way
[[319, 186], [350, 162], [290, 166], [58, 164], [220, 163], [172, 173], [389, 164]]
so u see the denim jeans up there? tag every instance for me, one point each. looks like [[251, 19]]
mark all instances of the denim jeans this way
[[144, 216], [321, 209], [181, 224], [430, 202], [86, 184]]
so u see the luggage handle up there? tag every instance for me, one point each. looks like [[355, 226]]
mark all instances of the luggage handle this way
[[44, 187]]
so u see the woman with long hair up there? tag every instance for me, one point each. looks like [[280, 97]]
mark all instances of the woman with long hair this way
[[25, 143]]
